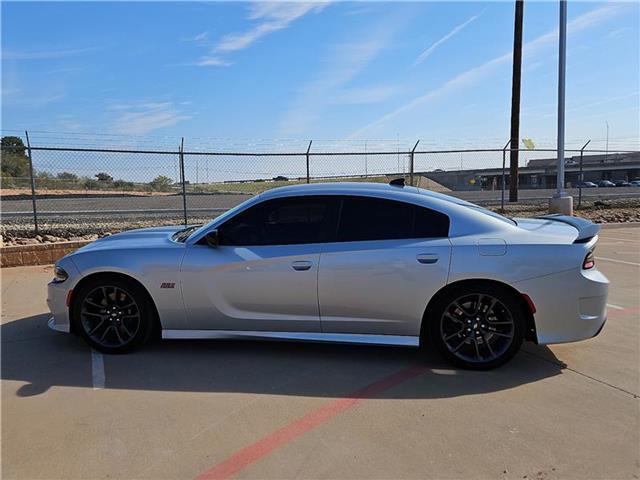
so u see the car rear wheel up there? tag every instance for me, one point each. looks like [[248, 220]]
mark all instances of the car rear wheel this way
[[477, 326], [113, 314]]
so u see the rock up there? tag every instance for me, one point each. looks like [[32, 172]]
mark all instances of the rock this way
[[50, 238]]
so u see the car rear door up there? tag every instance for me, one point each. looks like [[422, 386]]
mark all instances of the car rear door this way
[[263, 275], [389, 259]]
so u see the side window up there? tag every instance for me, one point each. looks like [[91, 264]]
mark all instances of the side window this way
[[428, 223], [365, 218], [286, 221]]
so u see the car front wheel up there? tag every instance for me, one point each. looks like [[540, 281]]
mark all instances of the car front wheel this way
[[113, 314], [477, 326]]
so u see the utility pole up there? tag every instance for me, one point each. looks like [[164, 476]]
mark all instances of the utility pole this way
[[515, 100]]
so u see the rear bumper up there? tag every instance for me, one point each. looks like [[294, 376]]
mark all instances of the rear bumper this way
[[570, 306]]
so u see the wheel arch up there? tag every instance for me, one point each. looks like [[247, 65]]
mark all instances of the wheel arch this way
[[119, 275], [530, 331]]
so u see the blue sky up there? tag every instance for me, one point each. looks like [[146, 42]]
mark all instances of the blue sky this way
[[234, 72]]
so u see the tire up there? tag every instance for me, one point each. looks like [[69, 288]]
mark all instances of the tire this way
[[476, 326], [113, 314]]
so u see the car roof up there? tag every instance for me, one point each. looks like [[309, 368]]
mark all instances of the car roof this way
[[357, 188]]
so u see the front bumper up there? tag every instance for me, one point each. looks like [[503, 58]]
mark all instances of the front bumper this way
[[57, 301], [570, 306], [58, 327]]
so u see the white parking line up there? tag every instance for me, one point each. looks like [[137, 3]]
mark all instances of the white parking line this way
[[615, 307], [618, 239], [617, 261], [97, 370]]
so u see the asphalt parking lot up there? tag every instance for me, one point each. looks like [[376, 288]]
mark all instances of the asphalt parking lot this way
[[188, 409]]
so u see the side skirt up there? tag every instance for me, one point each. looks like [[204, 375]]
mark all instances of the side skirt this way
[[400, 340]]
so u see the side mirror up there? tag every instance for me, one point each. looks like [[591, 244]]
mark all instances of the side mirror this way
[[212, 238]]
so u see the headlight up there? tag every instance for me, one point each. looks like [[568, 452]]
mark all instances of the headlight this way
[[59, 274]]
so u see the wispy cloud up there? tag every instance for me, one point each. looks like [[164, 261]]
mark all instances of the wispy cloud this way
[[367, 94], [471, 76], [142, 118], [267, 18], [20, 97], [345, 62], [432, 48], [272, 16], [45, 54], [200, 37]]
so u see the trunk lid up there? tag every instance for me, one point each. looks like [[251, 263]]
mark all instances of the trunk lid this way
[[572, 229]]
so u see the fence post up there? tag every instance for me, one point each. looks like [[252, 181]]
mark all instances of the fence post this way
[[33, 184], [308, 149], [504, 157], [581, 176], [183, 181], [411, 162]]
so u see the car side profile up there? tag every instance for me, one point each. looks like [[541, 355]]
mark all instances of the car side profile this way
[[341, 262]]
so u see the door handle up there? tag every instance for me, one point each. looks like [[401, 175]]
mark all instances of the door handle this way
[[301, 265], [427, 258]]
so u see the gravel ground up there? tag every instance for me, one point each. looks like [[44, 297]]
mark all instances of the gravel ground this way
[[56, 229]]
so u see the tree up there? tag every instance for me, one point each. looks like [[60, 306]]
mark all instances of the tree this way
[[104, 177], [15, 162], [161, 183], [67, 176]]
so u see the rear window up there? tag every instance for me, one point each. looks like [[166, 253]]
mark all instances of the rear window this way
[[364, 218]]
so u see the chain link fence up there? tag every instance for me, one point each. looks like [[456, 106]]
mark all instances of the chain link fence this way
[[70, 192]]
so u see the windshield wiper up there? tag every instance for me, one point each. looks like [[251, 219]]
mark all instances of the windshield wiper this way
[[182, 235]]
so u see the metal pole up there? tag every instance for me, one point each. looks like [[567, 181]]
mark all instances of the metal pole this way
[[308, 149], [562, 65], [411, 163], [606, 155], [504, 159], [365, 159], [183, 181], [33, 184], [581, 176]]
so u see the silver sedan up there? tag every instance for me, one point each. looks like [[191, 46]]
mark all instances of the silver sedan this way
[[341, 262]]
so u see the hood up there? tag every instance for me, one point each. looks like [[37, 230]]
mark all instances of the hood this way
[[139, 238]]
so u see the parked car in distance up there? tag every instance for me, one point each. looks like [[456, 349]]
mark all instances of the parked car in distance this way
[[634, 183], [587, 185], [622, 183], [342, 262], [606, 183]]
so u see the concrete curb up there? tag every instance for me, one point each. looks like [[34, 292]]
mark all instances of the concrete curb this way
[[613, 226], [37, 254]]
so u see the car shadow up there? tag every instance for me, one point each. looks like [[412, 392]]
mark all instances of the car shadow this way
[[41, 359]]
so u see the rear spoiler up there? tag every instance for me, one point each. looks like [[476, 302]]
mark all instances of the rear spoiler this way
[[586, 229]]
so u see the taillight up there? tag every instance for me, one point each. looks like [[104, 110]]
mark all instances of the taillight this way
[[589, 261]]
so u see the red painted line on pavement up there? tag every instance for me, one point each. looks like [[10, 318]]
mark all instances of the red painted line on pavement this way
[[617, 313], [254, 452], [267, 444]]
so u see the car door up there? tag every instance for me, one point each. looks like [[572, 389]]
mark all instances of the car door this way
[[389, 259], [263, 274]]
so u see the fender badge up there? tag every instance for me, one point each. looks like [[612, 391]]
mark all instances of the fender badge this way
[[167, 285]]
